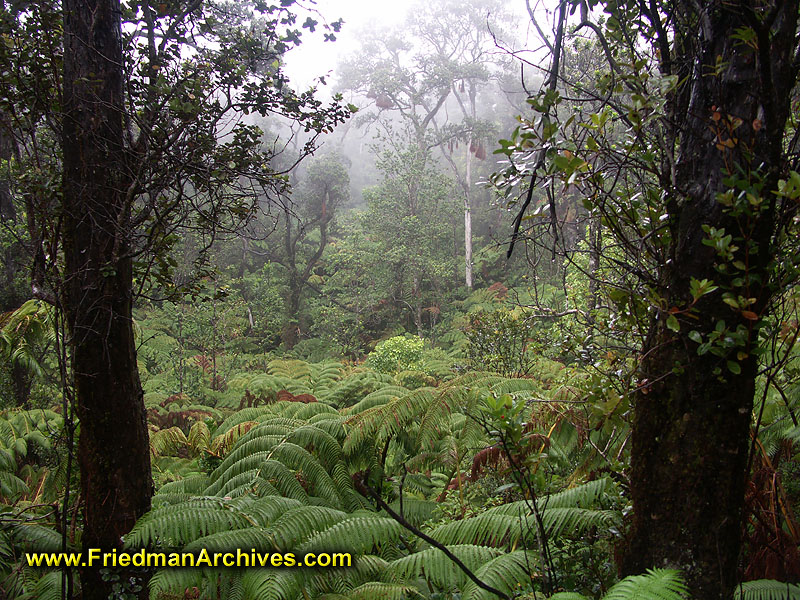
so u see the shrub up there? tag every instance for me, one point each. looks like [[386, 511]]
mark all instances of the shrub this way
[[400, 353]]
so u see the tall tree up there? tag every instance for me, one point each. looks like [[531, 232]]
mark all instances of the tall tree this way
[[429, 71], [688, 150], [137, 136], [304, 234], [113, 449]]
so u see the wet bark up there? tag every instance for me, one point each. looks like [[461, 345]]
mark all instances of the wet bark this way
[[113, 446], [692, 412]]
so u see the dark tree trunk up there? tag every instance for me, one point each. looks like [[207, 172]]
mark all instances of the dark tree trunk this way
[[291, 331], [113, 449], [692, 412]]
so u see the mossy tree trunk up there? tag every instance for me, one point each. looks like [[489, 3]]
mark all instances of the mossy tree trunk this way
[[691, 426], [113, 449]]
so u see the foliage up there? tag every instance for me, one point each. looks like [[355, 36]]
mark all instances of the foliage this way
[[499, 341], [400, 353]]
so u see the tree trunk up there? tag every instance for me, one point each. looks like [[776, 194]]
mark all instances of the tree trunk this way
[[291, 331], [692, 412], [416, 293], [113, 449], [468, 220]]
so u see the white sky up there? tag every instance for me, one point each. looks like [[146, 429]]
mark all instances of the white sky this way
[[314, 57]]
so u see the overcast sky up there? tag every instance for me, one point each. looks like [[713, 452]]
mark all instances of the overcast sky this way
[[315, 57]]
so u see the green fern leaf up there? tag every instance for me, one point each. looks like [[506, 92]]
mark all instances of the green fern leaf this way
[[436, 568], [507, 573], [358, 534], [656, 584], [384, 591], [767, 589]]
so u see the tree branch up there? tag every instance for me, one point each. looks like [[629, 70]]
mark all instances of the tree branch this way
[[366, 490]]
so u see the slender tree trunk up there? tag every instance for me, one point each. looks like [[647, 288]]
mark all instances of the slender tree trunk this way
[[416, 293], [595, 251], [692, 413], [113, 449], [291, 331], [468, 220]]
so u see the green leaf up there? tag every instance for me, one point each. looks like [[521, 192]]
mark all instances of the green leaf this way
[[672, 323]]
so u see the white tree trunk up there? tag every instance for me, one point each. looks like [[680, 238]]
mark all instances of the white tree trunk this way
[[468, 221]]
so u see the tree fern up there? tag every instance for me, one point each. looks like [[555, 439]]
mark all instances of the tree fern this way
[[359, 534], [36, 538], [177, 525], [299, 524], [271, 584], [656, 584], [385, 591], [507, 573], [229, 541], [167, 441], [767, 589], [581, 496], [436, 568], [48, 587], [293, 369], [495, 530], [166, 581], [380, 396]]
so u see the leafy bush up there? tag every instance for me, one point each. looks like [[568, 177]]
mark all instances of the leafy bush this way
[[500, 341], [400, 353]]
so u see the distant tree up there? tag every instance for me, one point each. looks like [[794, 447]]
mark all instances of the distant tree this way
[[407, 217], [303, 227], [436, 65]]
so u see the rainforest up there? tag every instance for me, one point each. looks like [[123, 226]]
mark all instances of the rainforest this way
[[498, 298]]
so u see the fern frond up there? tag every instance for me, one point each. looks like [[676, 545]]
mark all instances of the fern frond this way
[[227, 471], [506, 573], [177, 524], [271, 584], [199, 437], [36, 538], [242, 416], [267, 510], [309, 470], [221, 444], [485, 530], [188, 485], [291, 368], [358, 534], [656, 584], [11, 486], [380, 396], [435, 567], [306, 411], [415, 510], [299, 524], [167, 442], [245, 539], [574, 521], [388, 419], [48, 587], [581, 496], [766, 589], [384, 591], [175, 581]]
